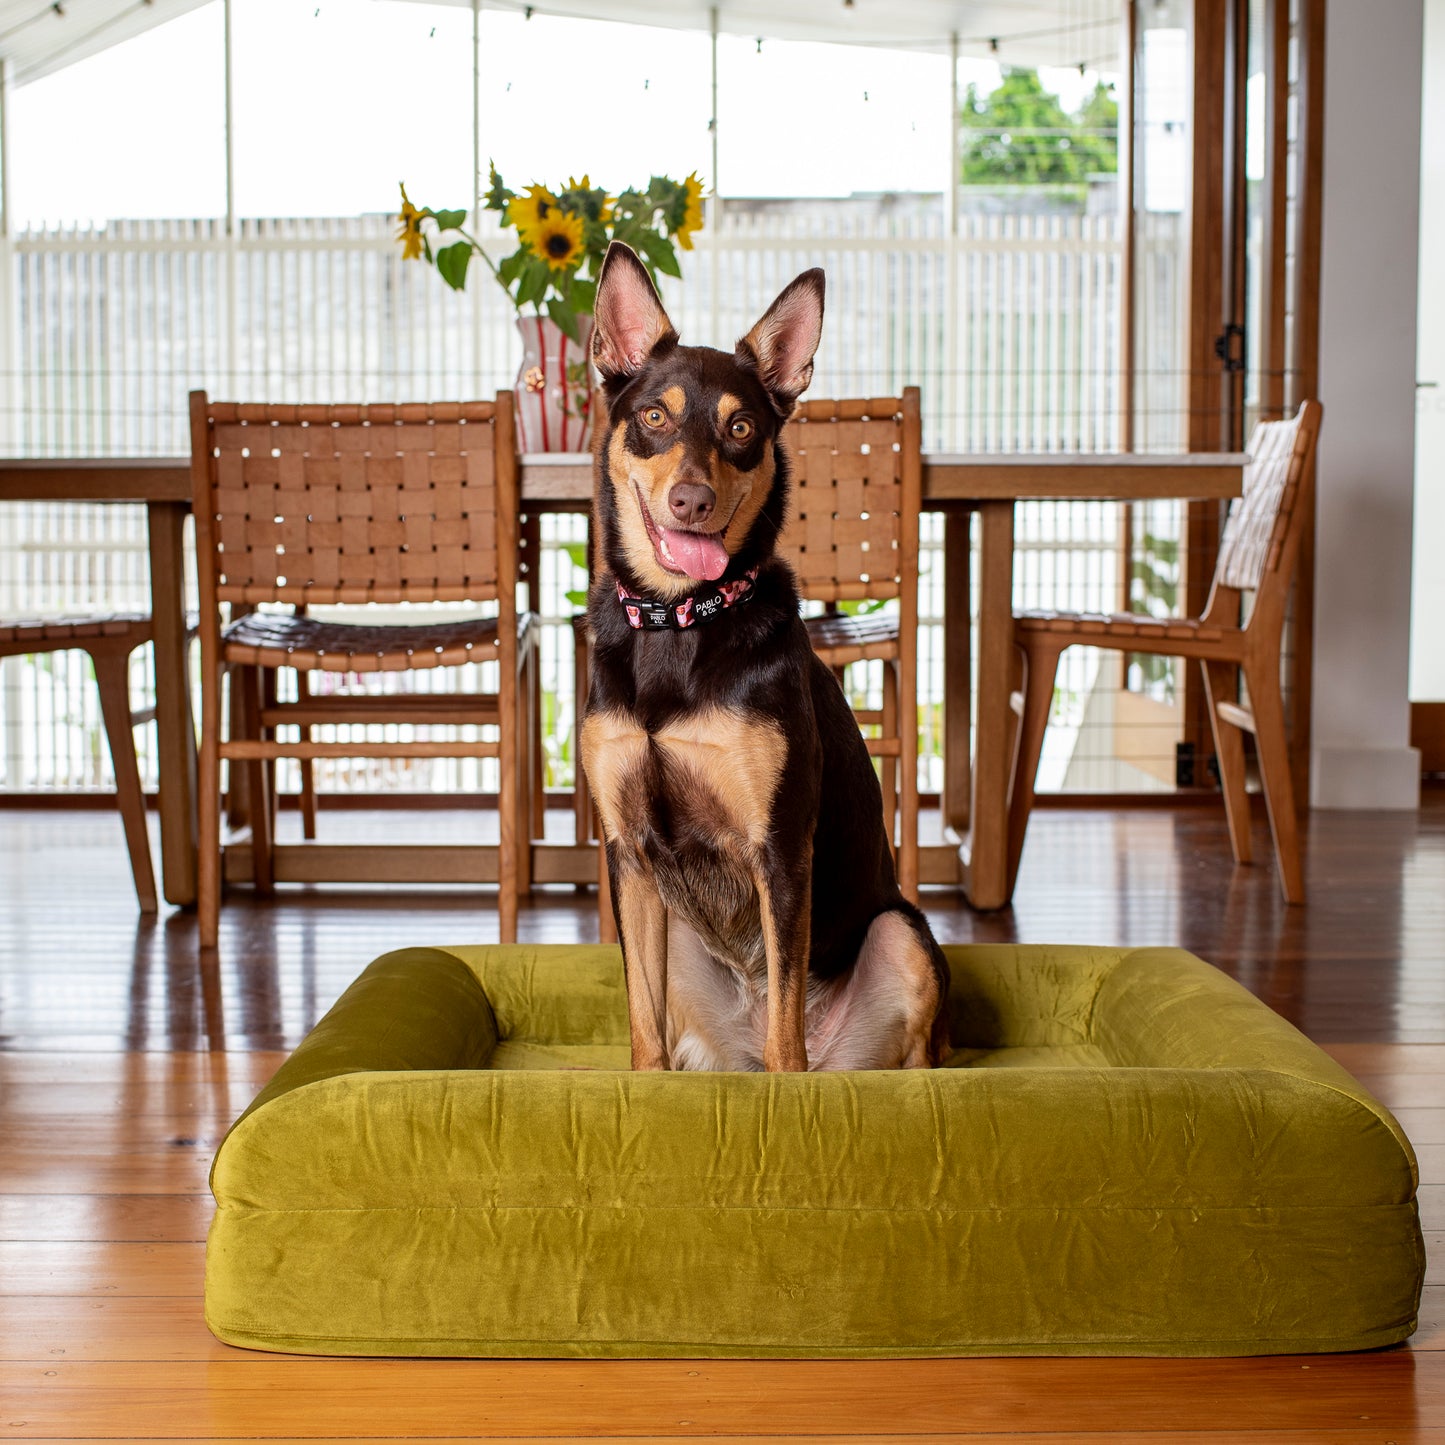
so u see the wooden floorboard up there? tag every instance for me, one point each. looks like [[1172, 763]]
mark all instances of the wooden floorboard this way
[[341, 1398], [92, 1218], [1358, 1435], [124, 1057]]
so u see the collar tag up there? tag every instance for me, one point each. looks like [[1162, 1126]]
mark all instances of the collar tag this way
[[650, 615]]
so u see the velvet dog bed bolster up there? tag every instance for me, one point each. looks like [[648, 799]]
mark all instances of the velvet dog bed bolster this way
[[1128, 1154]]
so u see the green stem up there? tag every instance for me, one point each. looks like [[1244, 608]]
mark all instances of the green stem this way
[[476, 246]]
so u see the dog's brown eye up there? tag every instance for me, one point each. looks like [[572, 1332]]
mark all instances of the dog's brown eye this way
[[741, 429], [654, 417]]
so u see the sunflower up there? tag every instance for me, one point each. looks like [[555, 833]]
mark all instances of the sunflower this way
[[409, 232], [527, 213], [557, 239], [692, 214]]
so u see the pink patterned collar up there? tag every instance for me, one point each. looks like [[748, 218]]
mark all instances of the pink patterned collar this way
[[648, 614]]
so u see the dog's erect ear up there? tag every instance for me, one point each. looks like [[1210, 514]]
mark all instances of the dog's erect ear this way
[[628, 317], [782, 344]]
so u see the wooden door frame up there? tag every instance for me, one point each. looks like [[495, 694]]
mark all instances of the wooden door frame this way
[[1302, 368], [1289, 362], [1215, 303], [1427, 732]]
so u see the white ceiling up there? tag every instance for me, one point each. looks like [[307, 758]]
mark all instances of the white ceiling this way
[[37, 38], [1029, 32]]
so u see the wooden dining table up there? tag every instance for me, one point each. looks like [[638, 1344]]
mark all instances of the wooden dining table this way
[[975, 757]]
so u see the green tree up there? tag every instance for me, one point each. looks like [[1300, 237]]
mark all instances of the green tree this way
[[1097, 121], [1020, 134]]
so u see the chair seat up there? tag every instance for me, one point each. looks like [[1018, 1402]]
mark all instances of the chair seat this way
[[839, 639], [1132, 629], [270, 639], [60, 632]]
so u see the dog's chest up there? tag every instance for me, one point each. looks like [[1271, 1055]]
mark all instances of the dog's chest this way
[[690, 803], [704, 777]]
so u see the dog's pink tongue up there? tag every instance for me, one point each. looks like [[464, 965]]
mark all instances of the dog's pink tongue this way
[[700, 556]]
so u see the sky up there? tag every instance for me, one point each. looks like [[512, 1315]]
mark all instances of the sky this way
[[336, 101]]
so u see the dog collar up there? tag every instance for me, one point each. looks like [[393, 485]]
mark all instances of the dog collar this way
[[646, 614]]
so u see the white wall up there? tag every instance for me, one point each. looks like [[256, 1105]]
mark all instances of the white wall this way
[[1368, 301], [1427, 632]]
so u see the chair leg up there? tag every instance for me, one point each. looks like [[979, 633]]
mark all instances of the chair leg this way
[[536, 750], [524, 756], [581, 796], [908, 792], [1221, 684], [888, 767], [308, 789], [208, 815], [269, 680], [508, 812], [112, 676], [238, 778], [1041, 663], [252, 688], [1267, 704], [1016, 694], [306, 765]]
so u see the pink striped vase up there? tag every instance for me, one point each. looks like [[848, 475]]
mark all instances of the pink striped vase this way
[[554, 386]]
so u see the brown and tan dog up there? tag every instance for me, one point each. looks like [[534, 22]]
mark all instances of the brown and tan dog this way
[[759, 912]]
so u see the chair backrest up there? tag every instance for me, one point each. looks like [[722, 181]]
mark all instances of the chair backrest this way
[[852, 529], [1261, 537], [355, 504]]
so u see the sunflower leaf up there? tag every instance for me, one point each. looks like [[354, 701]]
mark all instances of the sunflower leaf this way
[[452, 261], [566, 318], [449, 220], [535, 274], [510, 267], [584, 295], [659, 250]]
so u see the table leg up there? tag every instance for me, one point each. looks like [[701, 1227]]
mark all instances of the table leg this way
[[957, 671], [985, 857], [176, 733]]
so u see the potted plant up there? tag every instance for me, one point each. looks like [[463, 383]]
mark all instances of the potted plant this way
[[551, 278]]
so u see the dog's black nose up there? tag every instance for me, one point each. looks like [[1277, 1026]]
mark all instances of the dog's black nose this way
[[691, 502]]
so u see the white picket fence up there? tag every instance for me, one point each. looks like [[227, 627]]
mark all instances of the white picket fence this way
[[1011, 328]]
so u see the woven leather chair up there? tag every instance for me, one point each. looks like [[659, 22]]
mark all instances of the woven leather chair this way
[[328, 505], [109, 640], [853, 536], [1257, 555]]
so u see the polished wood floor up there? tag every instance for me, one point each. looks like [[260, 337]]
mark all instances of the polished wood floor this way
[[123, 1057]]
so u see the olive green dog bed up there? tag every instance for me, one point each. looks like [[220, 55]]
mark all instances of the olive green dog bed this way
[[1129, 1154]]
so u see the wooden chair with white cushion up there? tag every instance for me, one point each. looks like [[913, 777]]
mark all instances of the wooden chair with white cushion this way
[[852, 535], [1257, 556], [339, 505]]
